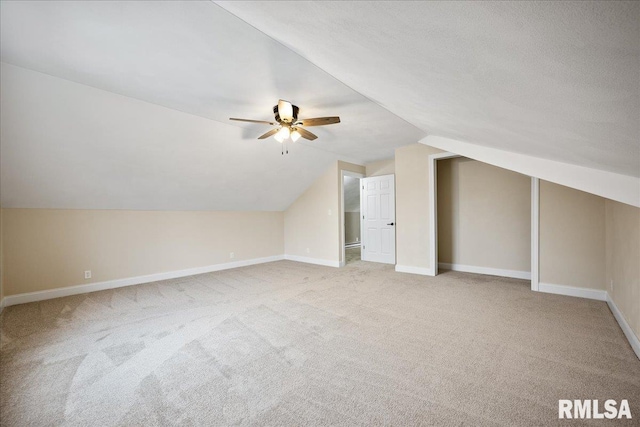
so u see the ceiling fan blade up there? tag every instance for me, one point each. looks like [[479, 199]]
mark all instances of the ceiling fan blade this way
[[268, 134], [306, 134], [253, 121], [319, 121], [285, 111]]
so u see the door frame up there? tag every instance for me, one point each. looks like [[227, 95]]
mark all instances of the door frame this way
[[343, 174], [433, 208], [433, 220]]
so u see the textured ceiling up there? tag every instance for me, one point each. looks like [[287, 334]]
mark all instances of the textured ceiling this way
[[71, 146], [193, 57], [197, 58], [556, 80]]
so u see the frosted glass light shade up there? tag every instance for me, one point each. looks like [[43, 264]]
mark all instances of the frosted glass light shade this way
[[282, 134]]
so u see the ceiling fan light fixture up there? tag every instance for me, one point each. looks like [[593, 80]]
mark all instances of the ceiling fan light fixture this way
[[288, 125], [285, 111], [282, 134]]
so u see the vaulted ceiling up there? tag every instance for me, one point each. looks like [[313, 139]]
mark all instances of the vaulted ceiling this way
[[557, 80], [145, 125], [191, 57]]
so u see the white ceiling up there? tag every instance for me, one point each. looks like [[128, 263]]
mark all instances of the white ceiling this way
[[556, 80], [196, 58], [71, 146]]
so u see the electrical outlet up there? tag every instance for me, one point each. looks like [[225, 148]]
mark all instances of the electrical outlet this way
[[611, 284], [308, 250], [87, 274], [329, 212], [232, 255], [357, 239]]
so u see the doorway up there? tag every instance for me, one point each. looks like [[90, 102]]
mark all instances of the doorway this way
[[351, 219], [495, 224]]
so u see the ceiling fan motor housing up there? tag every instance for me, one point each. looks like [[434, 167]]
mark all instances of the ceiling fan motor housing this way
[[286, 115], [277, 115]]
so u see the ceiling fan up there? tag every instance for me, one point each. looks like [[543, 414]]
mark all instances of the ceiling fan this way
[[289, 126]]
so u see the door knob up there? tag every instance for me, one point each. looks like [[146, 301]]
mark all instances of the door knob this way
[[390, 223]]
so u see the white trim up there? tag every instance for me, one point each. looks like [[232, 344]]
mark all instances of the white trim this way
[[535, 234], [316, 261], [599, 295], [414, 270], [595, 294], [573, 291], [626, 329], [515, 274], [341, 228], [433, 227], [118, 283], [433, 209], [621, 188]]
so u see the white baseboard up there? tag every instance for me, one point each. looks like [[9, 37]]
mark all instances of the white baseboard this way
[[515, 274], [424, 271], [573, 291], [628, 332], [316, 261], [118, 283], [600, 295]]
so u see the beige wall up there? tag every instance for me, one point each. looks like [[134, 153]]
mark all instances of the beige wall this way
[[46, 249], [351, 227], [381, 167], [484, 215], [412, 205], [313, 224], [623, 260], [308, 223], [572, 237]]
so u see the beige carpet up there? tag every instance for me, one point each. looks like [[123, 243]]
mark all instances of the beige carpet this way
[[352, 255], [287, 343]]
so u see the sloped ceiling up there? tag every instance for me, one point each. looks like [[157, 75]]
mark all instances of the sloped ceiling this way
[[197, 60], [71, 146], [555, 80]]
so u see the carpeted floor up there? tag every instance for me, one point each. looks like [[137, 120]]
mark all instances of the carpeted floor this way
[[352, 255], [287, 343]]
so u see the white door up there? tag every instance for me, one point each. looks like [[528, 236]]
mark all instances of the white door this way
[[378, 208]]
